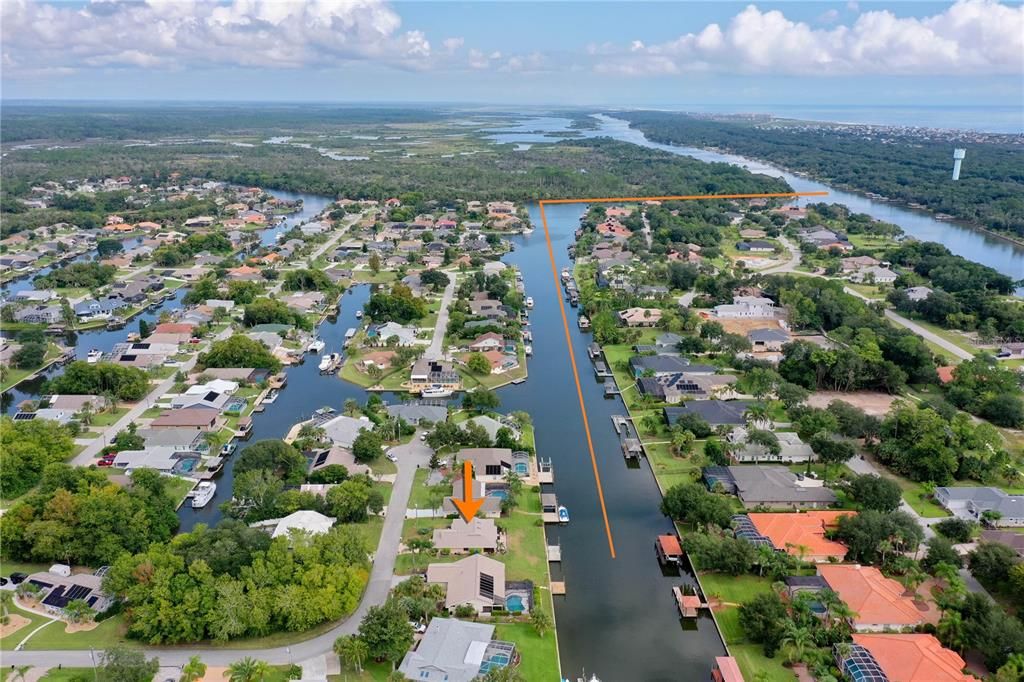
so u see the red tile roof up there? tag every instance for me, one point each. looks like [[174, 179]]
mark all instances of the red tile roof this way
[[914, 658]]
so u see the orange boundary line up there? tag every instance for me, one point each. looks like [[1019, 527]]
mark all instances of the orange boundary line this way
[[565, 318]]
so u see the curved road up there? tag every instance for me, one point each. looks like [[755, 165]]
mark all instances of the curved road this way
[[410, 457]]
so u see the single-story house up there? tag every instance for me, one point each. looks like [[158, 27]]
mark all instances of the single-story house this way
[[415, 412], [770, 486], [343, 430], [189, 418], [304, 520], [456, 651], [916, 294], [767, 339], [791, 448], [714, 412], [878, 603], [463, 537], [640, 317], [491, 507], [901, 656], [166, 459], [972, 503], [801, 534]]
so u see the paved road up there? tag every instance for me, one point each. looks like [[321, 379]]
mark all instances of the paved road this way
[[930, 336], [435, 351], [410, 457], [647, 229], [795, 256], [92, 450], [864, 466]]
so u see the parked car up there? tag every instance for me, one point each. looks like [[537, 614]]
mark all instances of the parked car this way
[[18, 578], [392, 456], [105, 463], [419, 628]]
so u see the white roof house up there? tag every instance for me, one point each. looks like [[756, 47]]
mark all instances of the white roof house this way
[[305, 520], [454, 651], [342, 430]]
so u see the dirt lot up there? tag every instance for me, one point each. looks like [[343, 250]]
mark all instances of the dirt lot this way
[[743, 325], [876, 404]]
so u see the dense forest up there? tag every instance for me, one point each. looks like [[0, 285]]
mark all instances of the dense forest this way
[[990, 191]]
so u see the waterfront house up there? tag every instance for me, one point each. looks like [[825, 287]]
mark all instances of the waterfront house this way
[[770, 486], [439, 374], [189, 418], [40, 314], [456, 651], [640, 317], [907, 657], [489, 464], [491, 507], [384, 333], [415, 412], [462, 537], [801, 534], [714, 412], [342, 430], [878, 603]]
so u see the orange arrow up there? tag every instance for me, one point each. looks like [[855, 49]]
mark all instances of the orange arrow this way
[[467, 506]]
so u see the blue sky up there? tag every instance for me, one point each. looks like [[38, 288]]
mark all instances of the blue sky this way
[[662, 54]]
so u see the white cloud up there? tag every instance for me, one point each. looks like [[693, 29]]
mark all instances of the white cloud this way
[[450, 45], [186, 33], [970, 37]]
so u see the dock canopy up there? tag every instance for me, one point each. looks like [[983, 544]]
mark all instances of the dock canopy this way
[[669, 546]]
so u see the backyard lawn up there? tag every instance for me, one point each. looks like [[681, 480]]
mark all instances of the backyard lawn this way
[[539, 654]]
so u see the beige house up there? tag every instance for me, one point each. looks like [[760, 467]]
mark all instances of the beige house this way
[[640, 317], [476, 580], [463, 537]]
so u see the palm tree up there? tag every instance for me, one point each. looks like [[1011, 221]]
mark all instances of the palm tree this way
[[6, 597], [951, 631], [193, 670], [85, 414], [912, 579], [797, 639], [352, 650], [541, 622], [78, 611], [758, 413], [351, 407], [247, 670]]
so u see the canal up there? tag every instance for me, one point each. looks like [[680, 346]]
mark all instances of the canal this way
[[618, 619]]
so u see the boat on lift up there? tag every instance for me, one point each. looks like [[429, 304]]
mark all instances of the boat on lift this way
[[316, 345], [328, 362], [94, 356]]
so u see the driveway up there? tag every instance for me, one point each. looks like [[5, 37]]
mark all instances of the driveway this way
[[413, 456]]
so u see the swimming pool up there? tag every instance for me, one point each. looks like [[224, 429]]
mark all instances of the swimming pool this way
[[514, 604], [500, 493]]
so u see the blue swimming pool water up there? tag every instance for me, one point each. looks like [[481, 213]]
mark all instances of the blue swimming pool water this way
[[522, 469], [501, 494], [515, 604]]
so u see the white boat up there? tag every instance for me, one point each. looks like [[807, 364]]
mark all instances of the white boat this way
[[565, 274], [94, 356], [203, 493], [359, 314], [435, 392], [316, 345], [270, 397], [529, 350], [329, 361], [529, 301], [563, 514]]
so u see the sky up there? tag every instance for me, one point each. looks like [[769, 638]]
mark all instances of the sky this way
[[629, 54]]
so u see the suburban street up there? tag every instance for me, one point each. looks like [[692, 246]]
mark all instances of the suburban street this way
[[435, 351], [310, 652]]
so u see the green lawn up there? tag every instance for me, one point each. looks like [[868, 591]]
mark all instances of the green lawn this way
[[178, 487], [372, 672], [53, 636], [67, 674], [954, 337], [735, 589], [539, 654], [109, 417], [752, 661], [420, 497]]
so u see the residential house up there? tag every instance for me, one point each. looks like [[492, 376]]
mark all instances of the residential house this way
[[674, 388], [640, 317], [490, 465], [874, 275], [491, 341], [492, 425], [342, 430], [491, 507], [462, 537], [382, 333], [439, 374], [40, 314], [853, 263], [35, 296], [917, 294], [303, 521], [166, 459], [478, 581], [456, 651], [714, 412], [1011, 350], [747, 307], [770, 486], [977, 504], [489, 308], [416, 412], [756, 246], [792, 449], [878, 603], [500, 362], [664, 365], [768, 339], [801, 534], [915, 657], [337, 454], [87, 311], [189, 418]]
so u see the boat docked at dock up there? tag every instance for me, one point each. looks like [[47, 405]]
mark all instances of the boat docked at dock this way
[[563, 514], [584, 323], [94, 356], [359, 314], [528, 349], [203, 493], [316, 345], [329, 362], [270, 397], [436, 392], [529, 301]]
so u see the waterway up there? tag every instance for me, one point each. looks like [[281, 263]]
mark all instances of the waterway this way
[[618, 619]]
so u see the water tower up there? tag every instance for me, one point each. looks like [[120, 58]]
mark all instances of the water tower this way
[[958, 157]]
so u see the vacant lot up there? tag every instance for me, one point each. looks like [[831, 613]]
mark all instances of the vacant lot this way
[[875, 404]]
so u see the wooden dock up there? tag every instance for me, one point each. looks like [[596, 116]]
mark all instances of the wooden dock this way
[[557, 588], [620, 423], [602, 371], [610, 388], [550, 517], [554, 553]]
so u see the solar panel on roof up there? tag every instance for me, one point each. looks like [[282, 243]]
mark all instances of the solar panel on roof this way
[[40, 584], [321, 458], [78, 592], [24, 416], [56, 598]]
